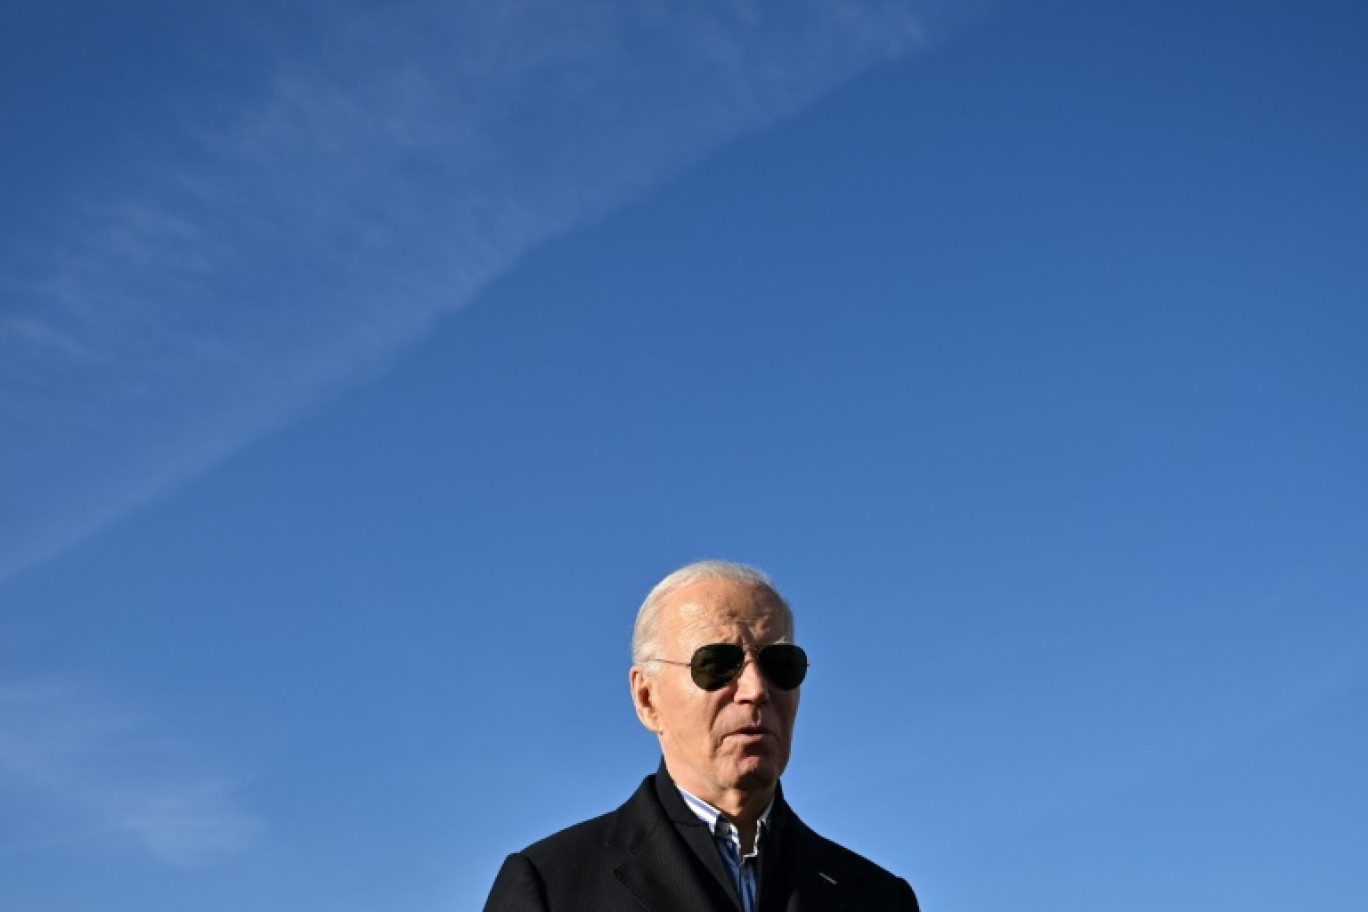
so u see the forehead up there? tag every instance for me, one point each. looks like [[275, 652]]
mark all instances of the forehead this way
[[724, 610]]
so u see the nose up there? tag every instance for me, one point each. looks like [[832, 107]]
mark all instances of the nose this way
[[751, 686]]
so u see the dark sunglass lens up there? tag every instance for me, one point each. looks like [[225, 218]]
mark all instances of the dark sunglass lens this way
[[713, 667], [784, 664]]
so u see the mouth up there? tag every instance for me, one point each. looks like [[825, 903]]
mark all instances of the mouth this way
[[751, 731]]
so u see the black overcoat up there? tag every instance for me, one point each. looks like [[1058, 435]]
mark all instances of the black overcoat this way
[[654, 855]]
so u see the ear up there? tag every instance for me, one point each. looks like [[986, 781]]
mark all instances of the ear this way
[[643, 698]]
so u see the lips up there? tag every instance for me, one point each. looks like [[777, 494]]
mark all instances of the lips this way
[[752, 731]]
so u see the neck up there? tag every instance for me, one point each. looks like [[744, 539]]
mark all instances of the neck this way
[[742, 807], [745, 816], [743, 810]]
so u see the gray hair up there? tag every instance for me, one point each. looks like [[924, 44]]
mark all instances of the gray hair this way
[[645, 634]]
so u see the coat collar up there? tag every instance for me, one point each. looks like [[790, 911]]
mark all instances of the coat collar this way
[[673, 866]]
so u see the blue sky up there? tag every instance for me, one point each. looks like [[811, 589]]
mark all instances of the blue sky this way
[[362, 366]]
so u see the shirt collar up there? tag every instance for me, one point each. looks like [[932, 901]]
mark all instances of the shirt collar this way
[[717, 822]]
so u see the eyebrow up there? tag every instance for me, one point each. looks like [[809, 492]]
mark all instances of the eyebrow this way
[[691, 643]]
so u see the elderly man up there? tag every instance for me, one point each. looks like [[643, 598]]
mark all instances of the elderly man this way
[[716, 677]]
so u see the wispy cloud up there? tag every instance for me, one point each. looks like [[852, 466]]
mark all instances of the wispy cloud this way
[[293, 236], [114, 776]]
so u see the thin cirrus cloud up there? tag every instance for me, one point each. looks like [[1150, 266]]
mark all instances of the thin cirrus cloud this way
[[297, 234], [108, 776]]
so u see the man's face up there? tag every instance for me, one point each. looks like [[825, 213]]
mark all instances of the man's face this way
[[735, 740]]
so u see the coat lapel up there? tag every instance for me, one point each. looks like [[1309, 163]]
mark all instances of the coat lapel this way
[[804, 880], [663, 876], [668, 849]]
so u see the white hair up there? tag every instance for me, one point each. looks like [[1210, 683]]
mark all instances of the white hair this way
[[645, 633]]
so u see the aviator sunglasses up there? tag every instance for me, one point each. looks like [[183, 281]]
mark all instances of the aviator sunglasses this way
[[718, 664]]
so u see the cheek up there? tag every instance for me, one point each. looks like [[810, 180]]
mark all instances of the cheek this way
[[788, 707], [689, 716]]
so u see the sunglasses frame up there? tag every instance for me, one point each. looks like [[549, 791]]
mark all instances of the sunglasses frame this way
[[746, 659]]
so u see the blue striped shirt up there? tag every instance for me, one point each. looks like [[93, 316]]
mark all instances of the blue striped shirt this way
[[743, 868]]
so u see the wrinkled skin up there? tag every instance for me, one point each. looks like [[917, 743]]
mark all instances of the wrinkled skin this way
[[727, 746]]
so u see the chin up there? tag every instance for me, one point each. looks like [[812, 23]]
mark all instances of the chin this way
[[757, 775]]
